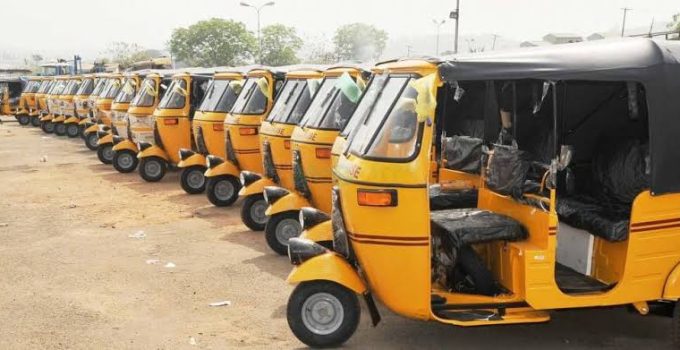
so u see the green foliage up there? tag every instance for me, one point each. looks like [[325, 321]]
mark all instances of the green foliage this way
[[359, 41], [213, 42], [280, 45], [125, 54]]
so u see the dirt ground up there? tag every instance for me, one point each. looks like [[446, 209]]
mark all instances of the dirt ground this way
[[71, 277]]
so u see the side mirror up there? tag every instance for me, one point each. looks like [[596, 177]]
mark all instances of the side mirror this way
[[566, 155]]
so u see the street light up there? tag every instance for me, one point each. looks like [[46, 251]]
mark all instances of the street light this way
[[439, 24], [456, 15], [259, 39]]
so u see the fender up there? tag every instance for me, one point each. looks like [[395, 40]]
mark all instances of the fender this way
[[92, 129], [196, 159], [58, 119], [291, 201], [153, 151], [126, 145], [84, 121], [226, 168], [108, 139], [71, 120], [329, 267], [256, 187], [46, 118], [322, 232], [671, 290]]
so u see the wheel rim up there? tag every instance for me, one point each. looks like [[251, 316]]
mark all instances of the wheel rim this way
[[195, 179], [108, 153], [125, 160], [92, 140], [61, 128], [257, 211], [49, 126], [152, 168], [72, 130], [224, 190], [322, 313], [287, 229]]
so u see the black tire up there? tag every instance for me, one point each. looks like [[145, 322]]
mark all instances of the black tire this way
[[276, 234], [155, 163], [47, 127], [91, 140], [190, 180], [250, 212], [299, 314], [24, 119], [125, 161], [213, 186], [105, 153], [35, 121], [81, 131], [470, 263], [675, 324], [72, 130], [60, 129]]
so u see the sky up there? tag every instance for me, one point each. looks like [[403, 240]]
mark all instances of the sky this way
[[66, 27]]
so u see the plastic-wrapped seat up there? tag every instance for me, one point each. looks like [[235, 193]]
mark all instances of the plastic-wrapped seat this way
[[587, 214], [460, 153], [442, 198]]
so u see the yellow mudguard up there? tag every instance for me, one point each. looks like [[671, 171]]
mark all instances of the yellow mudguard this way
[[196, 159], [226, 168], [84, 121], [71, 120], [291, 201], [46, 118], [153, 151], [322, 232], [126, 145], [58, 119], [671, 290], [105, 140], [328, 267], [256, 187], [91, 129]]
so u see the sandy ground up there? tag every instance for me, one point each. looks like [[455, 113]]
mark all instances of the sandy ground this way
[[71, 277]]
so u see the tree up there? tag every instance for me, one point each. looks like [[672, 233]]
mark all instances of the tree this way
[[675, 25], [280, 45], [319, 50], [359, 41], [213, 42], [125, 54]]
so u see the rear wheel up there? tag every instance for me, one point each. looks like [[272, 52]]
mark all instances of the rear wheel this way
[[48, 127], [675, 331], [24, 119], [60, 129], [223, 190], [252, 212], [125, 161], [193, 179], [35, 121], [152, 169], [105, 153], [72, 130], [280, 228], [323, 313], [91, 140]]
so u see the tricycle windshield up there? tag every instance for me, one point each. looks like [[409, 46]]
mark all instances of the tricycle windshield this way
[[99, 86], [112, 89], [44, 86], [337, 100], [146, 94], [292, 102], [221, 95], [72, 87], [86, 87], [175, 98], [253, 98], [127, 92], [58, 87], [390, 127]]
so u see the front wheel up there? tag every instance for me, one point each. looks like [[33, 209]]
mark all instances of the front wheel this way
[[105, 153], [323, 314], [60, 129], [35, 121], [252, 212], [193, 180], [24, 119], [125, 161], [91, 140], [152, 169], [223, 190], [280, 228], [72, 130], [48, 127]]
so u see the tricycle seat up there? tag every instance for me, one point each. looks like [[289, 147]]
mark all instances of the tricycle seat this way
[[609, 222], [441, 198], [461, 227]]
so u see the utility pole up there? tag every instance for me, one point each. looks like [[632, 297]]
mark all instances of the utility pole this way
[[259, 38], [456, 15], [623, 26], [438, 24], [408, 50], [493, 47]]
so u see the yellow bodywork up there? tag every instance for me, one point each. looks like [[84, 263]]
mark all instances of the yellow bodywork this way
[[329, 267], [119, 109], [141, 117]]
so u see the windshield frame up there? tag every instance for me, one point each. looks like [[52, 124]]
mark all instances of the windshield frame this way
[[328, 102], [142, 91], [122, 93], [86, 83], [99, 87], [289, 106], [250, 93], [215, 105], [107, 91], [69, 89], [162, 104]]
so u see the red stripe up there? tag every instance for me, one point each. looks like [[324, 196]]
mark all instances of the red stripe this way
[[408, 244], [638, 224], [643, 229], [392, 238]]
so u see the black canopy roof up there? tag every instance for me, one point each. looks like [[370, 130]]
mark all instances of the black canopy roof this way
[[654, 64]]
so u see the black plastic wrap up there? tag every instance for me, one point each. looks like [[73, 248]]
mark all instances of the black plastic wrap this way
[[606, 221], [229, 148], [621, 170], [456, 228], [463, 153], [507, 170], [268, 163], [442, 198], [299, 179]]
